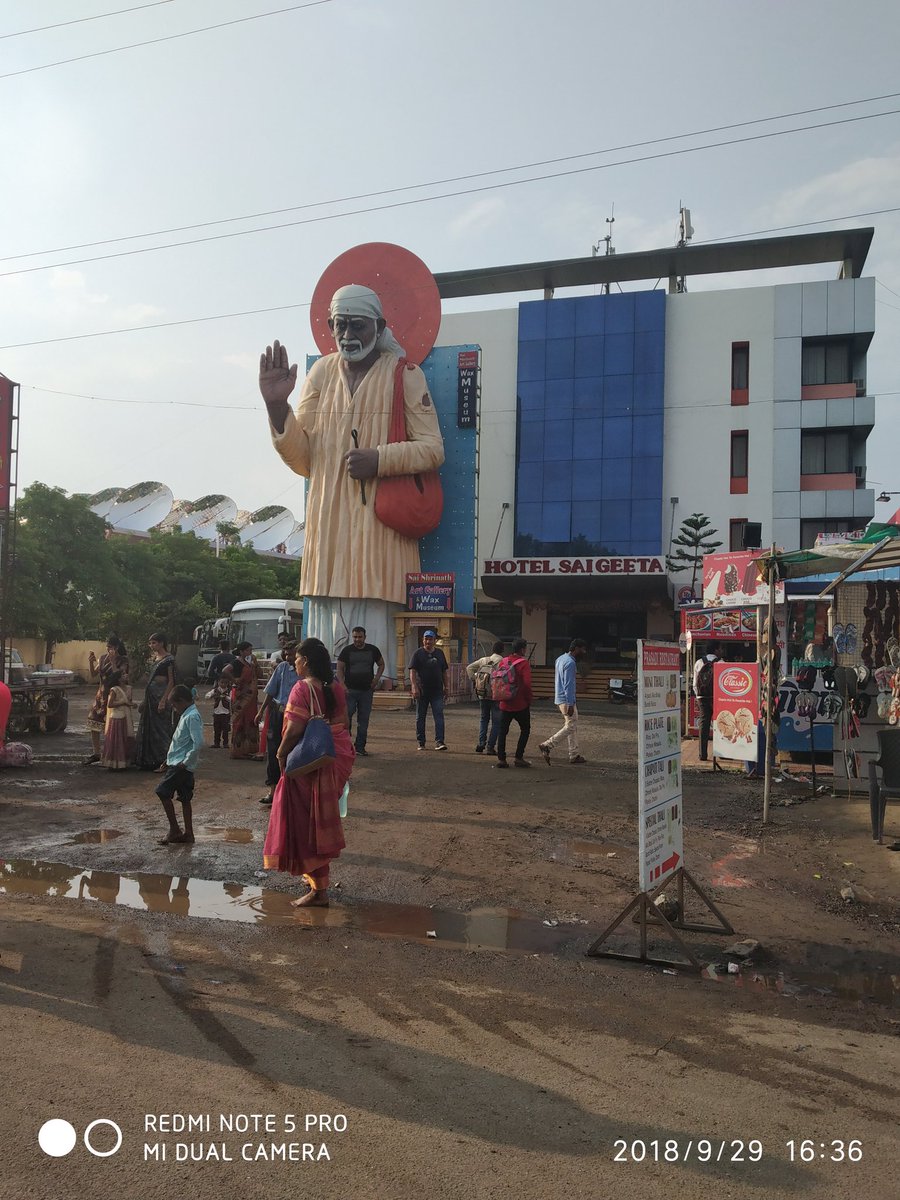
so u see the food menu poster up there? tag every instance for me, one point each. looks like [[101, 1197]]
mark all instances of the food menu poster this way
[[722, 624], [734, 579], [735, 711], [659, 763]]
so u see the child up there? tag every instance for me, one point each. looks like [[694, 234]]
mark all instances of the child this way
[[181, 761], [221, 698], [118, 731]]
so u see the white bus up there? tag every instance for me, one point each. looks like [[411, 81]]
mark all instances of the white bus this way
[[260, 622]]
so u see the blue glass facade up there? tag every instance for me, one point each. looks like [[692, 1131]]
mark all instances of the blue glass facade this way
[[590, 425]]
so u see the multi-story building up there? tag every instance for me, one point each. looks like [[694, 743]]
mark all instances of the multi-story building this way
[[605, 420]]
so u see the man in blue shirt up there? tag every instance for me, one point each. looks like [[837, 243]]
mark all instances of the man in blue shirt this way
[[181, 762], [277, 693], [566, 674]]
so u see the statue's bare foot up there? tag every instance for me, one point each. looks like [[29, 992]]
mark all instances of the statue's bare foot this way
[[314, 898]]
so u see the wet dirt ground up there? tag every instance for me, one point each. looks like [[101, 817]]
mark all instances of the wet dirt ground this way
[[443, 1003]]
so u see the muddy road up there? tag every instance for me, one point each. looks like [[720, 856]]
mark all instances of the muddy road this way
[[439, 1030]]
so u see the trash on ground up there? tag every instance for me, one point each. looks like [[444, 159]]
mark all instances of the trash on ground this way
[[745, 949]]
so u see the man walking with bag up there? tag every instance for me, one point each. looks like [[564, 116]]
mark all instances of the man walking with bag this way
[[566, 676], [512, 689], [480, 674]]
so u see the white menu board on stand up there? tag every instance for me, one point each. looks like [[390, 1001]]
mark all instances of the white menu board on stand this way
[[659, 763]]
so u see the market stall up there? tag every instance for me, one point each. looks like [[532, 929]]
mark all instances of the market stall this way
[[863, 684]]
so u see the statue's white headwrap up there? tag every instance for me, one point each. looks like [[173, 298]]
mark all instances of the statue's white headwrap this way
[[355, 300]]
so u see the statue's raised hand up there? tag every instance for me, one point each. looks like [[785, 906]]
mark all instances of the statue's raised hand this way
[[276, 378]]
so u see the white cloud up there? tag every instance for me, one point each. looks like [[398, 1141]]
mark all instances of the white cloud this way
[[479, 216], [244, 362]]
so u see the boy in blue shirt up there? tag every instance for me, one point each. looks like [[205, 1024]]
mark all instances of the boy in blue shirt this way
[[181, 762]]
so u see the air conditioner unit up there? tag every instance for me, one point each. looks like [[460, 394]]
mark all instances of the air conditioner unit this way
[[860, 387]]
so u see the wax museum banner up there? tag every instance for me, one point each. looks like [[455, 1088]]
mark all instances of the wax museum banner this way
[[467, 389], [661, 849], [735, 710], [430, 591]]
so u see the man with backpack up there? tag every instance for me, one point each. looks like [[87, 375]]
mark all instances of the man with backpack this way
[[511, 680], [566, 675], [480, 673], [703, 691]]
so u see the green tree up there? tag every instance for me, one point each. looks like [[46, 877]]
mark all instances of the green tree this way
[[693, 541], [64, 575]]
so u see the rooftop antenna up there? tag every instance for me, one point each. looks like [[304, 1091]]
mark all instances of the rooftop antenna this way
[[685, 233], [610, 248]]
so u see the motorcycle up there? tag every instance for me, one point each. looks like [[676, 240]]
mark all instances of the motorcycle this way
[[622, 691]]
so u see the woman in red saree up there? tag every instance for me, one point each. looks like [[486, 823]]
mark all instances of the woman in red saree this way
[[244, 702], [305, 831]]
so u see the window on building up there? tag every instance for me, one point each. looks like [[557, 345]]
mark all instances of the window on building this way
[[825, 362], [810, 529], [740, 440], [740, 372], [826, 452], [736, 527]]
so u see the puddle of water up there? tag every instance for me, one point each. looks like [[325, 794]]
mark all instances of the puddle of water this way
[[498, 929], [32, 784], [214, 833], [845, 985], [92, 837]]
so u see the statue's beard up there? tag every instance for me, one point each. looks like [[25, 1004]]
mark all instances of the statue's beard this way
[[353, 350]]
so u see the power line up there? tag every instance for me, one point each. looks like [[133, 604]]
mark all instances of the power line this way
[[287, 307], [259, 408], [169, 38], [153, 403], [76, 262], [887, 289], [274, 212], [77, 337], [876, 212], [81, 20]]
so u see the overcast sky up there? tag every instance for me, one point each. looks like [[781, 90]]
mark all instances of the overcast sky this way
[[304, 110]]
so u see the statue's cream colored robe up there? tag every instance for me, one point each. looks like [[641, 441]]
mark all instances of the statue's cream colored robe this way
[[347, 551]]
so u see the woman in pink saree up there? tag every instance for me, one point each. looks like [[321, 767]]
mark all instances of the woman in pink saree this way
[[305, 831]]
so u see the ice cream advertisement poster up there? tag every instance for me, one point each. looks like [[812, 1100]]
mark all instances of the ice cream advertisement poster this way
[[733, 580], [659, 762], [735, 710]]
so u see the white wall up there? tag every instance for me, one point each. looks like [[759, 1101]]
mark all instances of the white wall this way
[[699, 417], [497, 333]]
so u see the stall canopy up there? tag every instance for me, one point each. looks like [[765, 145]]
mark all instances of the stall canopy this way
[[877, 550]]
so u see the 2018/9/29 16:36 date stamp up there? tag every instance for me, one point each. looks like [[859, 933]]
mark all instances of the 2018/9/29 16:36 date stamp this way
[[733, 1150]]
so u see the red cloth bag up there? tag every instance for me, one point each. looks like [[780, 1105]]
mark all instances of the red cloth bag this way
[[410, 504]]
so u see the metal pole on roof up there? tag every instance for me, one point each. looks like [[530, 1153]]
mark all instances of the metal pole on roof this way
[[769, 688]]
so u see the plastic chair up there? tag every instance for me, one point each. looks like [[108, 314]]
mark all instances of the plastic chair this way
[[889, 785]]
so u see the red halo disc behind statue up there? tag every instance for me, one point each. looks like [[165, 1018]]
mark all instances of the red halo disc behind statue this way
[[407, 290]]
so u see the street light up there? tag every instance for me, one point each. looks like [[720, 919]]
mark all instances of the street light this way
[[884, 498]]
